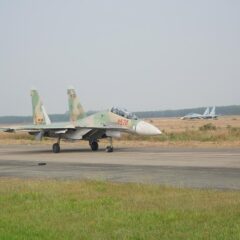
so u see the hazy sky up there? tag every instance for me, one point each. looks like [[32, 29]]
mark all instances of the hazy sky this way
[[140, 54]]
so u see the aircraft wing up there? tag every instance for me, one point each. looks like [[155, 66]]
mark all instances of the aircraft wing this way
[[38, 128], [61, 128], [88, 131]]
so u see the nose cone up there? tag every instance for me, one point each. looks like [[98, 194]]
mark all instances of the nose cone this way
[[144, 128]]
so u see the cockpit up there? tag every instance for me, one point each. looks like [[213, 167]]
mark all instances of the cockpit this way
[[123, 113]]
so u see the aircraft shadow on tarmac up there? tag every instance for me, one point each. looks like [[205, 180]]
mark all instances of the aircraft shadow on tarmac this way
[[151, 150], [70, 150], [130, 150]]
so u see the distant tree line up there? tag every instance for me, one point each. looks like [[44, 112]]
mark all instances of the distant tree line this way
[[223, 110]]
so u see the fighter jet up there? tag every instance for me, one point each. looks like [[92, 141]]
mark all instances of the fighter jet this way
[[196, 115], [206, 115], [106, 124]]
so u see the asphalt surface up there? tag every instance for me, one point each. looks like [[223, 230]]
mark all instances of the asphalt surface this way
[[200, 168]]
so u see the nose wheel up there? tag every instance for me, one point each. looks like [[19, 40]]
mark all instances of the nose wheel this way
[[110, 148]]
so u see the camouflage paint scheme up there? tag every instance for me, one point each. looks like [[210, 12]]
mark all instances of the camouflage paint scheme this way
[[76, 111], [105, 124], [38, 116]]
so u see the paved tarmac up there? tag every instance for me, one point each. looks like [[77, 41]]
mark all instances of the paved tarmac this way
[[181, 167]]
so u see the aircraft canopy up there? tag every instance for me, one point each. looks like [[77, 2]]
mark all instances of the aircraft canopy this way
[[123, 113]]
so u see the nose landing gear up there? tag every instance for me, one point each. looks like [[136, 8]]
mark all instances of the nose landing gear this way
[[110, 148]]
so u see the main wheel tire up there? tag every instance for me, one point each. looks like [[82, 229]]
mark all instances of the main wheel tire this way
[[109, 149], [56, 148], [94, 146]]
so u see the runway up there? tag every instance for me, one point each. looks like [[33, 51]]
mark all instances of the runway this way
[[181, 167]]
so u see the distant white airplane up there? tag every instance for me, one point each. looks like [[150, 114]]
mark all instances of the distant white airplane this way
[[206, 115]]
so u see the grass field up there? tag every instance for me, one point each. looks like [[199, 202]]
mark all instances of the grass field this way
[[222, 132], [48, 209]]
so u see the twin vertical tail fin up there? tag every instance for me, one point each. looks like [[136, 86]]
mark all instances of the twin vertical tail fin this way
[[213, 112], [206, 113], [76, 110], [40, 116]]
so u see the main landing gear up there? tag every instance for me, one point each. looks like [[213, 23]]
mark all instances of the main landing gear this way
[[110, 148], [94, 145], [56, 146]]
